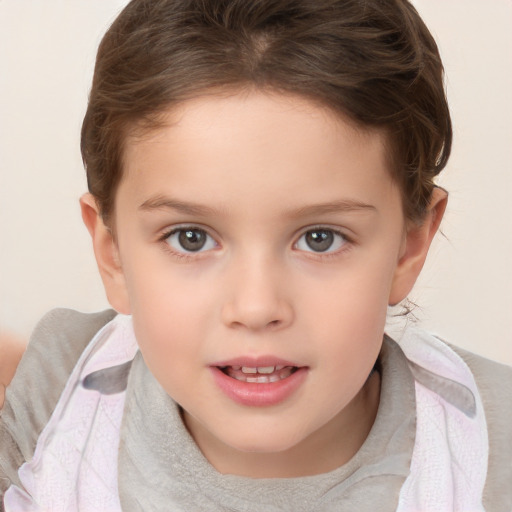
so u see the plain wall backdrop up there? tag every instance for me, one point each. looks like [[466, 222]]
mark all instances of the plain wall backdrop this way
[[47, 50]]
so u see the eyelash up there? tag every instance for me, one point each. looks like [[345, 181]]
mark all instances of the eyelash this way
[[191, 255], [346, 245], [183, 255]]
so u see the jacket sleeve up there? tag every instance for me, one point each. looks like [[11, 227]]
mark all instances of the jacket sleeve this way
[[54, 348]]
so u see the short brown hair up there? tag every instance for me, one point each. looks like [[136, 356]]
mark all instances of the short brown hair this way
[[371, 60]]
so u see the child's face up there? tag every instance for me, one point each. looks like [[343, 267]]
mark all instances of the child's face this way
[[261, 231]]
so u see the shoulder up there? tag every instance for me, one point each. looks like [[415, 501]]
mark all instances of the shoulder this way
[[494, 381], [488, 373], [455, 375], [53, 350], [494, 385], [60, 336]]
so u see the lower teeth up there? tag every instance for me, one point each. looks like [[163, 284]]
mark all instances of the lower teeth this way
[[262, 380]]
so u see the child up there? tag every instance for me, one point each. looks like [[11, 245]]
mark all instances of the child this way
[[261, 188]]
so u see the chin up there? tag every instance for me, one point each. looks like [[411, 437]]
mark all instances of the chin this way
[[264, 442]]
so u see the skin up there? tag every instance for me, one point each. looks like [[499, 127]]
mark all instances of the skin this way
[[256, 172], [11, 350]]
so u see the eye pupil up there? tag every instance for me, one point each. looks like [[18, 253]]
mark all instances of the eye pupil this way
[[319, 240], [192, 239]]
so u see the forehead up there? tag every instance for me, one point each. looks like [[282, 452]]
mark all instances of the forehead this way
[[255, 111], [256, 146]]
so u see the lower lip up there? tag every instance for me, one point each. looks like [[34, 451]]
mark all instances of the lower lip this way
[[259, 394]]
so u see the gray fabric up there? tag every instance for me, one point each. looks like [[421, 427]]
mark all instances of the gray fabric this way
[[109, 381], [155, 445], [494, 382], [161, 468], [453, 392], [52, 352]]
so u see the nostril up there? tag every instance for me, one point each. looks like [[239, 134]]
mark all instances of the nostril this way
[[256, 314]]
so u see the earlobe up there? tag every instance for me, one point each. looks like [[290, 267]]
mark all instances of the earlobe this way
[[415, 248], [107, 255]]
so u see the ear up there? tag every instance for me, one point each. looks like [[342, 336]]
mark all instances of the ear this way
[[415, 247], [107, 255]]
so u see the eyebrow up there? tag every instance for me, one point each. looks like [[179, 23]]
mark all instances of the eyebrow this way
[[345, 205], [167, 203]]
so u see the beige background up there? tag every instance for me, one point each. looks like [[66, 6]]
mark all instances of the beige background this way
[[46, 58]]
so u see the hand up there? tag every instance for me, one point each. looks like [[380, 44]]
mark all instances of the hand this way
[[11, 350]]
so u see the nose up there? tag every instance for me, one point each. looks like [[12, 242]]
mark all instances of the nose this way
[[256, 297]]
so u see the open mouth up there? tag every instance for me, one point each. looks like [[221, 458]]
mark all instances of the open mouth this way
[[260, 374], [262, 383]]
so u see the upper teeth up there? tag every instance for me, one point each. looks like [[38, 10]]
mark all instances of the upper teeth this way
[[260, 369], [251, 374]]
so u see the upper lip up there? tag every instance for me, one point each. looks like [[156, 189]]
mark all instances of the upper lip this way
[[255, 362]]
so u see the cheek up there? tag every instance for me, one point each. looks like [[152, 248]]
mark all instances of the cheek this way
[[171, 311], [159, 288], [169, 340], [348, 317], [355, 296]]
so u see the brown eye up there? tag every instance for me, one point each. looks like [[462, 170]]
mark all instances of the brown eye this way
[[320, 240], [190, 240]]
